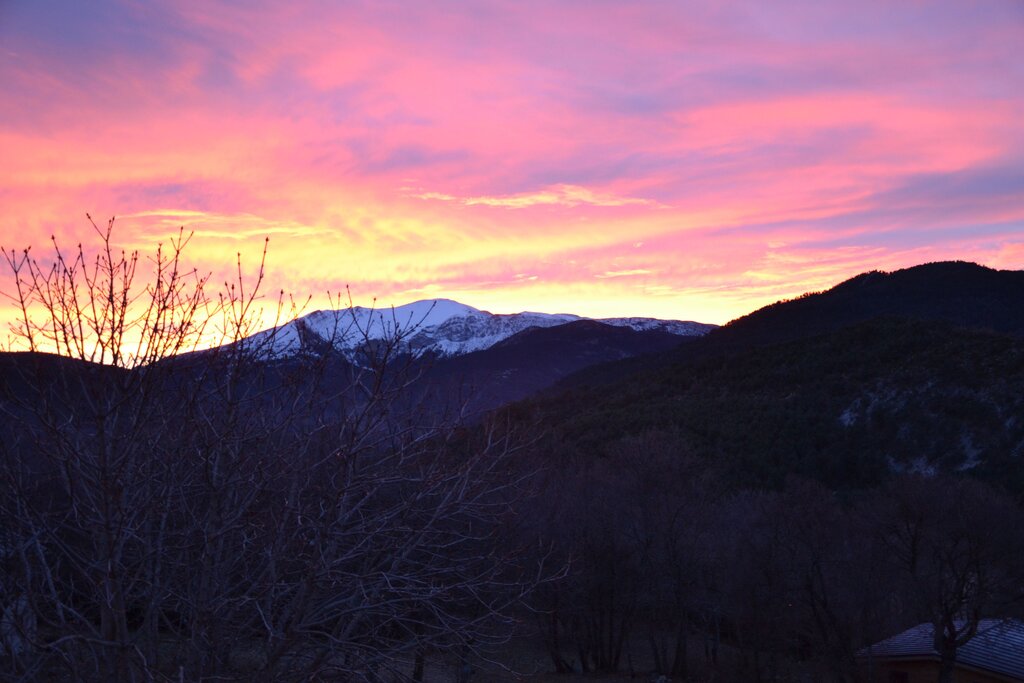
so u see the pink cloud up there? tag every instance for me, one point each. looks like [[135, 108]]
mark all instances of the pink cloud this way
[[449, 148]]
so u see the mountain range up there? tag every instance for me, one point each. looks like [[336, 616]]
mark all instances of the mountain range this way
[[919, 369], [439, 328]]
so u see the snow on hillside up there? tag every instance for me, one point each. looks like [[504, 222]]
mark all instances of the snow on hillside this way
[[682, 328]]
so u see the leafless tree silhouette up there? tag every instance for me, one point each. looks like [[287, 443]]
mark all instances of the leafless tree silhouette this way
[[180, 503]]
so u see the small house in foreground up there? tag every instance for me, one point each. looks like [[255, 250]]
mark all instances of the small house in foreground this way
[[994, 655]]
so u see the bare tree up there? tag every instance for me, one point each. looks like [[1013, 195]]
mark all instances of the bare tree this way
[[175, 513], [675, 499], [587, 619], [958, 545]]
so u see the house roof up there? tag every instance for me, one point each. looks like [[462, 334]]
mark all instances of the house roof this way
[[997, 647]]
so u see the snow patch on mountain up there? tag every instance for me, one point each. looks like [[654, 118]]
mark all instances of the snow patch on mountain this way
[[681, 328]]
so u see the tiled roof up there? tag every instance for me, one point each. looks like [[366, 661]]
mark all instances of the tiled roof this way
[[997, 647]]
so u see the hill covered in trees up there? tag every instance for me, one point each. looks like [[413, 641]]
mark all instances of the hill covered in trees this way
[[917, 370], [794, 486], [848, 408], [959, 293]]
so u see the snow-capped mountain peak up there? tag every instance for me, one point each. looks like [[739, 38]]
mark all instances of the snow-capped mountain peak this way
[[436, 326], [423, 313]]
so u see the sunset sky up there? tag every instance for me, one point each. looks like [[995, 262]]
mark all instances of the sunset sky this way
[[675, 159]]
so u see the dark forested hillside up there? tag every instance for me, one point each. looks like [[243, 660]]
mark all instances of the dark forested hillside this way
[[769, 498], [959, 293], [774, 485], [848, 408]]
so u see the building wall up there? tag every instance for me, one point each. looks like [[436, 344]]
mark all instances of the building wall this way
[[924, 672]]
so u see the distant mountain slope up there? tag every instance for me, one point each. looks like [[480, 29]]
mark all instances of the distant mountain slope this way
[[511, 369], [63, 386], [847, 408], [438, 327], [534, 359]]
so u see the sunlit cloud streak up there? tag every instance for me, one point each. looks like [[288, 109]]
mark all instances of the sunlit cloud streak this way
[[564, 195], [679, 159]]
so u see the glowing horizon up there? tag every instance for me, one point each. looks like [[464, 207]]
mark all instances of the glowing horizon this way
[[660, 159]]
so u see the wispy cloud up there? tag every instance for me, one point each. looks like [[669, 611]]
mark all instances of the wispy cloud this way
[[158, 223], [623, 273], [561, 195]]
